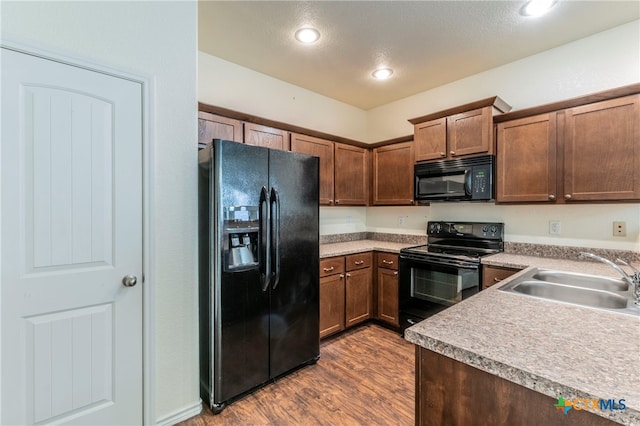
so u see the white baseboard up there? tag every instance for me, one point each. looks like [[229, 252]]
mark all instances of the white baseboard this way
[[181, 415]]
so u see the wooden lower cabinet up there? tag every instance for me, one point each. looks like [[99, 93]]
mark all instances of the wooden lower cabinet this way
[[357, 296], [449, 392], [331, 304], [387, 288], [494, 274]]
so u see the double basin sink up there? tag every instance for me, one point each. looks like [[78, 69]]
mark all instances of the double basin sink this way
[[595, 291]]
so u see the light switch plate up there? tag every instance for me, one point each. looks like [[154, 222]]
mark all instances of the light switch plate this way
[[554, 227]]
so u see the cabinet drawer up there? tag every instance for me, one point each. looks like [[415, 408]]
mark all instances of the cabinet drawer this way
[[331, 266], [358, 261], [493, 275], [388, 261]]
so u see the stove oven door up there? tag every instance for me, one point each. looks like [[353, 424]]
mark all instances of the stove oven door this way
[[429, 286]]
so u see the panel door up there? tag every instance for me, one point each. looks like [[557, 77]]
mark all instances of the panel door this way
[[331, 304], [351, 175], [71, 229], [526, 159], [431, 140], [211, 126], [388, 296], [393, 174], [358, 289], [602, 151], [322, 149], [268, 137], [470, 132]]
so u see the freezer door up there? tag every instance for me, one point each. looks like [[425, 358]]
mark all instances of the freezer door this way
[[240, 320], [294, 320]]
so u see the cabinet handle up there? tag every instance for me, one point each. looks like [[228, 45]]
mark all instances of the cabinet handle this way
[[496, 279], [328, 269], [567, 197], [552, 197], [442, 154], [387, 262], [452, 153], [358, 262], [395, 272]]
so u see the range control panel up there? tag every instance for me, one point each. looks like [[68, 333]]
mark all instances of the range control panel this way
[[483, 230]]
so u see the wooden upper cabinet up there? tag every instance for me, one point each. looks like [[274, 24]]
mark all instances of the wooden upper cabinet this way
[[211, 126], [324, 150], [393, 174], [526, 160], [470, 133], [602, 150], [268, 137], [351, 175], [465, 130], [430, 140]]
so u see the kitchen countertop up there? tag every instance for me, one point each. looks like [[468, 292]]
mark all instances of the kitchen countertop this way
[[553, 348], [351, 247]]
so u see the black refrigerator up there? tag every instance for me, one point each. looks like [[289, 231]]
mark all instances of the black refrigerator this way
[[259, 267]]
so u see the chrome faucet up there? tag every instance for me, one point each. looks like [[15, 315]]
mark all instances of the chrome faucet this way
[[633, 280]]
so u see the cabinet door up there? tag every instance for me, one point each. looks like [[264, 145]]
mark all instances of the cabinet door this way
[[393, 174], [358, 296], [268, 137], [493, 275], [388, 296], [351, 175], [430, 140], [331, 304], [470, 132], [324, 150], [602, 151], [526, 159], [211, 126]]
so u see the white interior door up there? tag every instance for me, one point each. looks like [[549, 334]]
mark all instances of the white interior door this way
[[71, 229]]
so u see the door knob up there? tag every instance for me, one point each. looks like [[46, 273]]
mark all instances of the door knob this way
[[129, 280]]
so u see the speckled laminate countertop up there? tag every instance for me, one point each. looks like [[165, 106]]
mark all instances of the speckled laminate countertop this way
[[553, 348], [351, 247]]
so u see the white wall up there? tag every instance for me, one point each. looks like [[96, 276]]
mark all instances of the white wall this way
[[227, 85], [155, 39]]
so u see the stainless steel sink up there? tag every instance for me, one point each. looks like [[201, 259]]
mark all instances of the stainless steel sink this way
[[581, 289], [582, 280]]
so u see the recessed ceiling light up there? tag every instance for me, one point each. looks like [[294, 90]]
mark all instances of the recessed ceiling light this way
[[382, 73], [537, 7], [307, 35]]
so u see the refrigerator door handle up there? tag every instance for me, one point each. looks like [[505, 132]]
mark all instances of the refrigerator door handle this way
[[275, 235], [264, 240]]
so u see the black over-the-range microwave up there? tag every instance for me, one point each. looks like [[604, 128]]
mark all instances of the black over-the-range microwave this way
[[465, 179]]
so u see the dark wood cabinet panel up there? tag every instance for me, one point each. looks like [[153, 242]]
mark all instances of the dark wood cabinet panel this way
[[324, 150], [211, 126], [602, 151], [526, 160], [482, 398], [351, 175], [358, 286], [388, 296], [332, 304], [470, 133], [430, 140], [492, 275], [268, 137], [393, 174]]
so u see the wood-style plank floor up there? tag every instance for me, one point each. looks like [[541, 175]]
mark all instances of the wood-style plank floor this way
[[365, 376]]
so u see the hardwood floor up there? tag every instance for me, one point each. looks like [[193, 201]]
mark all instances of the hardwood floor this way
[[365, 376]]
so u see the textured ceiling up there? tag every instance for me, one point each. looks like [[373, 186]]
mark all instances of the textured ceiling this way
[[427, 43]]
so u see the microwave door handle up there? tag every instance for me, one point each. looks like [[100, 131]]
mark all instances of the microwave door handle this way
[[467, 181]]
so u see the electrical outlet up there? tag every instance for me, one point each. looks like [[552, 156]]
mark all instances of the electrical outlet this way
[[619, 229], [349, 218], [401, 220], [554, 227]]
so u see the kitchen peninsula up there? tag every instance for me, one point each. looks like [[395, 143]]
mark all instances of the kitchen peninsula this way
[[507, 358]]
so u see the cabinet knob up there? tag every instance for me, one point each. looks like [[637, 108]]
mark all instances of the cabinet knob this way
[[395, 272], [442, 154], [567, 197], [330, 201], [496, 279], [348, 275], [341, 276], [337, 201], [452, 153], [552, 197]]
